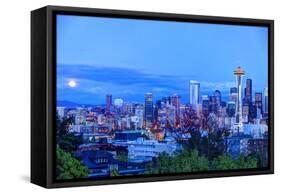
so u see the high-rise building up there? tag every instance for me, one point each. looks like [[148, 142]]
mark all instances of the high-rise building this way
[[204, 97], [245, 113], [194, 93], [248, 92], [108, 102], [139, 113], [127, 108], [233, 94], [148, 110], [176, 102], [217, 95], [265, 108], [238, 126], [233, 90], [166, 100], [158, 106], [212, 104], [258, 101], [252, 112], [230, 108], [205, 104]]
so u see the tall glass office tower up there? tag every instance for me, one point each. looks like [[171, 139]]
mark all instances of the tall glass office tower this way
[[148, 110], [194, 93]]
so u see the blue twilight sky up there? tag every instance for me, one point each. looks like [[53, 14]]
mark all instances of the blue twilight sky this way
[[129, 57]]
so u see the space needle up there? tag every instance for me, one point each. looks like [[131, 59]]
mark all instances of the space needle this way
[[238, 125]]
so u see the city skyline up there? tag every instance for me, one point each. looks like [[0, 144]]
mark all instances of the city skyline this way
[[124, 138], [128, 75], [224, 95]]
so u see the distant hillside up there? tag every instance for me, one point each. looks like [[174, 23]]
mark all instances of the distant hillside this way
[[67, 104], [70, 104]]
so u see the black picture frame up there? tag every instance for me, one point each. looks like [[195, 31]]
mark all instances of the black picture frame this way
[[43, 93]]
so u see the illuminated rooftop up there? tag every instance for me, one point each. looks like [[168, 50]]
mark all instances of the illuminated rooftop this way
[[239, 71]]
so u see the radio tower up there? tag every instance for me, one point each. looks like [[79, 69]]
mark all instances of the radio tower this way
[[238, 126]]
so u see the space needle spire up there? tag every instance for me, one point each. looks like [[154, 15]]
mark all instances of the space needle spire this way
[[238, 126]]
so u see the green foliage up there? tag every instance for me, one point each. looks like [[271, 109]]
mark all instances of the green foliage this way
[[123, 157], [63, 125], [114, 172], [246, 162], [145, 136], [225, 162], [191, 161], [213, 145], [260, 152], [195, 140], [68, 167], [209, 146], [183, 162], [67, 141]]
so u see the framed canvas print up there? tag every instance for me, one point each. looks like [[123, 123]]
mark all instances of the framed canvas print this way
[[126, 96]]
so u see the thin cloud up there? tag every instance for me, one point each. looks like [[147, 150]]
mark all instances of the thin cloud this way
[[222, 86]]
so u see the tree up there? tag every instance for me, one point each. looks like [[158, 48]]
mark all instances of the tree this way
[[243, 162], [66, 140], [114, 172], [63, 125], [209, 146], [194, 141], [182, 162], [122, 156], [225, 162], [68, 167], [192, 161], [212, 122], [215, 144]]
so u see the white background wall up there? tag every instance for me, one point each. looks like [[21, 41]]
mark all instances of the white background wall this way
[[15, 94]]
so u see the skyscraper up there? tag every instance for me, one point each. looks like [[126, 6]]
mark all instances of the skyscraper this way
[[204, 97], [258, 101], [139, 113], [230, 110], [194, 93], [265, 93], [212, 104], [217, 95], [205, 104], [245, 113], [233, 94], [108, 102], [157, 108], [252, 112], [238, 126], [248, 92], [176, 101], [148, 110], [166, 100]]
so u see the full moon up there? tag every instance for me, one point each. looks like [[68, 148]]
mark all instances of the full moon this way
[[72, 84]]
